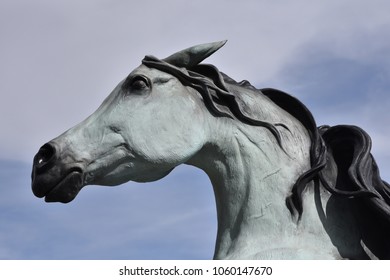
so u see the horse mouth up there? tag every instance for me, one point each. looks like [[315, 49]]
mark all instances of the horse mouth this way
[[66, 190]]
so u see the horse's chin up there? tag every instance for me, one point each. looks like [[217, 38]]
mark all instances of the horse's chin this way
[[67, 189]]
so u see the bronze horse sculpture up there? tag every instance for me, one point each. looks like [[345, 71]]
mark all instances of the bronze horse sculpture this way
[[284, 188]]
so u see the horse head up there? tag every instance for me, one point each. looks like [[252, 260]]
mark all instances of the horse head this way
[[139, 133], [264, 154]]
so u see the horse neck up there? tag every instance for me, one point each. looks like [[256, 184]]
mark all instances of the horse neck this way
[[251, 177]]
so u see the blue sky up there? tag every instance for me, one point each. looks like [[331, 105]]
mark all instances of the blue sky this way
[[60, 59]]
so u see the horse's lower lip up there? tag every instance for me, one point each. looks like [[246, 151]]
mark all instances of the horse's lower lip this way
[[67, 189]]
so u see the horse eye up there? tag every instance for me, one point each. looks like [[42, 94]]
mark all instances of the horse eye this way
[[139, 83]]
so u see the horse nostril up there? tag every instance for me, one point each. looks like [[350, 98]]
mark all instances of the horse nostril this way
[[44, 157]]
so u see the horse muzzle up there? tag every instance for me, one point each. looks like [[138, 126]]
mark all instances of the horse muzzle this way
[[54, 176]]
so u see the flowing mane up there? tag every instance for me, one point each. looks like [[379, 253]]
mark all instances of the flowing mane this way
[[357, 173]]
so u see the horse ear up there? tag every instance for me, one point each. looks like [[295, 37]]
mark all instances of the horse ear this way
[[194, 55]]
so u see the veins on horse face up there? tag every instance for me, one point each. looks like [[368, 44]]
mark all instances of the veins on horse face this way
[[114, 129]]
